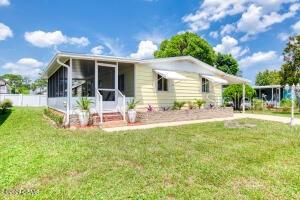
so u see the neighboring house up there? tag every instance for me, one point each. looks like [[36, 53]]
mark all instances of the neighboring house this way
[[4, 87], [111, 81], [272, 94]]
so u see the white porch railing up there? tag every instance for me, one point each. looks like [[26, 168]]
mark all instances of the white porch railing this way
[[121, 104], [99, 105]]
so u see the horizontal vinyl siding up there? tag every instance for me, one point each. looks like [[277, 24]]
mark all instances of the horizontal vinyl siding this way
[[185, 90]]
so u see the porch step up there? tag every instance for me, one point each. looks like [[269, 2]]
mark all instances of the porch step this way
[[112, 124], [114, 116]]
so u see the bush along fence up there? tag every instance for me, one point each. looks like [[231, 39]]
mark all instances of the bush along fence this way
[[25, 100]]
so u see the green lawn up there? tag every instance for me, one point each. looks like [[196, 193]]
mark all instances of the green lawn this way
[[202, 161]]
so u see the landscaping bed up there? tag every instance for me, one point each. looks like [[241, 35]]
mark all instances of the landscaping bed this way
[[183, 115]]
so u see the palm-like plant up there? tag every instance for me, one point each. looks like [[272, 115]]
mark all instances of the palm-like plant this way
[[177, 105], [199, 102], [84, 103], [132, 104]]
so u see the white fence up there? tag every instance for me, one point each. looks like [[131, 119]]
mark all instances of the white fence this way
[[25, 100]]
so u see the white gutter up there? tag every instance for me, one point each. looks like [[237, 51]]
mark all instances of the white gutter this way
[[68, 93]]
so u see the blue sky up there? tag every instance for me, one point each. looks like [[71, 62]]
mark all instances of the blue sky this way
[[254, 31]]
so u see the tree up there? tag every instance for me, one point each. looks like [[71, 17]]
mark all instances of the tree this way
[[187, 44], [227, 64], [38, 84], [290, 70], [268, 77], [235, 94], [14, 81], [17, 83]]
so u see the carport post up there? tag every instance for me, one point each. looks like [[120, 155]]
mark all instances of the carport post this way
[[244, 97]]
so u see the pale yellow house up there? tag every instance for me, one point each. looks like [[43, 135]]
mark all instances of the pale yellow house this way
[[112, 81]]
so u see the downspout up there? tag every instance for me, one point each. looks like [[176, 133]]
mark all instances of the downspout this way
[[68, 88]]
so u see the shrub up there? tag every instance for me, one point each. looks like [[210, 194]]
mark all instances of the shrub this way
[[177, 105], [258, 104], [4, 105], [150, 108], [165, 108], [191, 105], [58, 119], [286, 105], [199, 103]]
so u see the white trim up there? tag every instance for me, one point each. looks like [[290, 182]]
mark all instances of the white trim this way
[[215, 71], [215, 79], [170, 75], [267, 86]]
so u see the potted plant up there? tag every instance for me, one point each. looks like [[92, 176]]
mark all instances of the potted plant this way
[[131, 110], [84, 105]]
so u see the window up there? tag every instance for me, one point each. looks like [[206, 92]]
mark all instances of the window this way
[[162, 83], [205, 85]]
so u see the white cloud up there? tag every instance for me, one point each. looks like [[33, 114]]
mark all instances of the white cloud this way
[[98, 50], [211, 11], [214, 34], [230, 45], [227, 29], [269, 59], [82, 41], [5, 32], [254, 20], [155, 36], [51, 39], [283, 36], [145, 50], [296, 27], [4, 2], [115, 47], [27, 67]]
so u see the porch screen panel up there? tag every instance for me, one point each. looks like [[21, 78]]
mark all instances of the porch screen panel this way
[[57, 83], [83, 78]]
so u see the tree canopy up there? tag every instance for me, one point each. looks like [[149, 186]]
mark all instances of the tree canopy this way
[[268, 77], [187, 44], [191, 44], [22, 85], [227, 64], [290, 70]]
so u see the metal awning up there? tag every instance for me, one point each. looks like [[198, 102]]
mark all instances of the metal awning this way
[[215, 79], [170, 75]]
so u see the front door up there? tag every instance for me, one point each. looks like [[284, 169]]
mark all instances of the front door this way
[[107, 87]]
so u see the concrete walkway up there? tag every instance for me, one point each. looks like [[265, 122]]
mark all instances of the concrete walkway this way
[[273, 118]]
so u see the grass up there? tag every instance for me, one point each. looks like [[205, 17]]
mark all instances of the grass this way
[[276, 113], [202, 161]]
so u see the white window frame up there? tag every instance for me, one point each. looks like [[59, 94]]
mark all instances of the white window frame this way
[[204, 85], [162, 78]]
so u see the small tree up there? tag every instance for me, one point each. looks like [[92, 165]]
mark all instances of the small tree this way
[[235, 94], [291, 67]]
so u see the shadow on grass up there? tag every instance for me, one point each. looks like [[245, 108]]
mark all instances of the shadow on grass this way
[[4, 116]]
